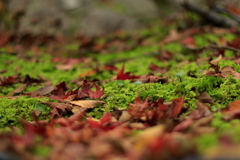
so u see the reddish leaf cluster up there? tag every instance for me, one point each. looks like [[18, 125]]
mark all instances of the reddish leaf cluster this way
[[82, 92], [152, 112], [106, 138]]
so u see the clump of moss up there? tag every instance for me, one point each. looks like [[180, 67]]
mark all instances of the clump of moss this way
[[13, 110]]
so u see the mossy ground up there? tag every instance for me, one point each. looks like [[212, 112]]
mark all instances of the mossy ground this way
[[121, 93]]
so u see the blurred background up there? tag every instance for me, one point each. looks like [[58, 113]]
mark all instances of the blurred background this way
[[85, 17]]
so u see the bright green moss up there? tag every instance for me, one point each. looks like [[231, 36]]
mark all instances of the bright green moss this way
[[13, 110], [121, 95]]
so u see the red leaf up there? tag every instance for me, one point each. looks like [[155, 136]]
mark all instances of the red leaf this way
[[87, 92], [156, 68], [123, 76], [138, 108], [110, 68], [176, 107], [60, 89], [235, 43], [104, 123], [9, 80]]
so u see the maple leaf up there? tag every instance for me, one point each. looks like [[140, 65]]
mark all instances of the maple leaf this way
[[176, 107], [86, 90], [104, 123], [235, 43], [123, 76], [110, 68], [60, 89], [9, 80], [138, 108], [70, 95], [156, 68]]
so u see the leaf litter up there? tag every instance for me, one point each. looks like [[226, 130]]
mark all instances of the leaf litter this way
[[149, 127]]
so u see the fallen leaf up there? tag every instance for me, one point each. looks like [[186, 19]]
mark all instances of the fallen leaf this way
[[216, 61], [18, 90], [204, 97], [125, 116], [232, 115], [235, 43], [64, 67], [123, 76], [233, 106], [85, 104], [60, 89], [43, 91], [148, 136], [176, 107], [183, 125], [227, 70]]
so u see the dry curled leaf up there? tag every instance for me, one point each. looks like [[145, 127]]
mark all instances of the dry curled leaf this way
[[43, 91], [216, 61], [125, 116], [18, 90], [204, 97], [232, 107], [85, 104]]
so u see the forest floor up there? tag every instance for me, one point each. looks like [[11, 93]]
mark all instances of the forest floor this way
[[164, 92]]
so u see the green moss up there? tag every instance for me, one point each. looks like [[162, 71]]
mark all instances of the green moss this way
[[13, 110], [120, 95]]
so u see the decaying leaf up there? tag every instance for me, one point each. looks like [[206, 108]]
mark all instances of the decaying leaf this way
[[124, 117], [148, 136], [233, 106], [18, 90], [216, 61], [227, 70], [204, 97], [176, 107], [85, 104], [43, 91], [183, 125]]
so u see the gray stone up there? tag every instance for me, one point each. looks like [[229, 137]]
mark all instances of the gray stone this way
[[101, 22]]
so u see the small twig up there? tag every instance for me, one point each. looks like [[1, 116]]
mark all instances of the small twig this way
[[224, 47]]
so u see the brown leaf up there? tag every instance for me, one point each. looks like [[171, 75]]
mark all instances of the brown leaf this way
[[64, 67], [203, 121], [176, 107], [203, 130], [43, 91], [125, 116], [204, 97], [18, 90], [216, 61], [232, 115], [183, 125], [227, 70], [37, 112], [85, 104], [202, 111], [233, 106], [148, 136]]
